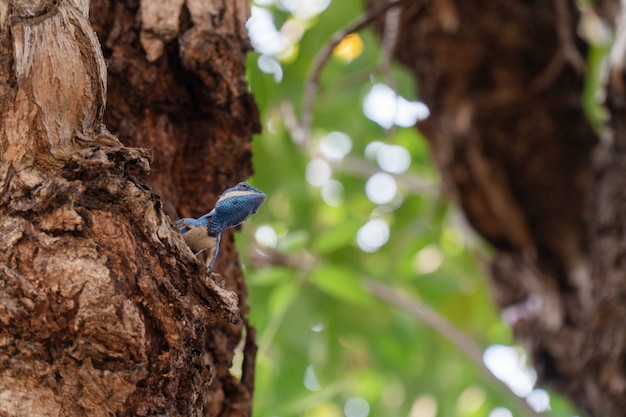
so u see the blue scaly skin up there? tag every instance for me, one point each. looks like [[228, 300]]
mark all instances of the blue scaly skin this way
[[233, 207]]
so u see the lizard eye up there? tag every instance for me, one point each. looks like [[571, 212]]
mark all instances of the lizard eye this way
[[243, 186]]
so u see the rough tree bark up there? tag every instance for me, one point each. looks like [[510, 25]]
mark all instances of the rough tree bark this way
[[503, 81], [104, 309]]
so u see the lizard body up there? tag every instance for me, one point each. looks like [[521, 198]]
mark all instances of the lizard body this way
[[233, 207]]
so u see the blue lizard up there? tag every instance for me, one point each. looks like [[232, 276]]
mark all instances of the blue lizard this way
[[233, 207]]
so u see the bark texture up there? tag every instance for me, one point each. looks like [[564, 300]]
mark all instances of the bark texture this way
[[503, 81], [104, 309]]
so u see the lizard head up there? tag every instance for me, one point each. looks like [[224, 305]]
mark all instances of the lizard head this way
[[236, 204]]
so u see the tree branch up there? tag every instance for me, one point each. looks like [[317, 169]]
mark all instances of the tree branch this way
[[358, 167], [442, 326], [312, 82]]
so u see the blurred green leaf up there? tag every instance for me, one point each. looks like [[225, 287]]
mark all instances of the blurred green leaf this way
[[342, 283], [271, 276], [336, 238], [282, 297]]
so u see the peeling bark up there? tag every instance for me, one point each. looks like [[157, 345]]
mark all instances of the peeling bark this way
[[105, 310]]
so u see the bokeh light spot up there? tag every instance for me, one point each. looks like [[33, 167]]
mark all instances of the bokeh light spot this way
[[500, 412], [383, 106], [470, 400], [325, 409], [410, 112], [356, 407], [372, 148], [310, 380], [318, 327], [379, 105], [393, 158], [266, 236], [318, 172], [269, 65], [293, 29], [304, 9], [333, 193], [539, 400], [372, 235], [264, 36], [335, 145], [393, 394], [505, 362], [381, 188], [424, 406], [428, 260], [350, 47]]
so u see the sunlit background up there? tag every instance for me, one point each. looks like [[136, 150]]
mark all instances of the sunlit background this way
[[360, 200]]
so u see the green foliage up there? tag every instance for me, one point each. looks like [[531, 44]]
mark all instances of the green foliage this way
[[325, 343]]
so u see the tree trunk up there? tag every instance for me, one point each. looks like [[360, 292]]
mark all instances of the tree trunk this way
[[503, 81], [105, 311]]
